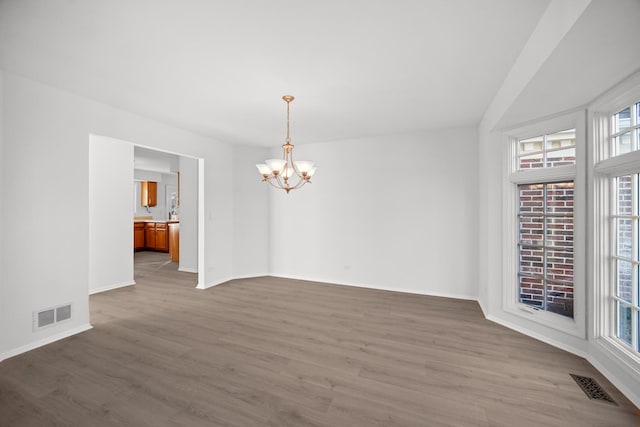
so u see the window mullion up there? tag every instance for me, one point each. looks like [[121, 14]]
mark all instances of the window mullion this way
[[614, 329], [614, 125], [634, 330], [632, 129], [636, 256]]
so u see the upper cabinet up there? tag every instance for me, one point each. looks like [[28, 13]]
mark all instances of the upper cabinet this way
[[148, 193]]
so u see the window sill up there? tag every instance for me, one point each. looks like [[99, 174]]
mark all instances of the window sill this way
[[546, 319]]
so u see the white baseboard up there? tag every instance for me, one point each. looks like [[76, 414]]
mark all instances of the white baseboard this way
[[216, 283], [484, 311], [630, 393], [187, 270], [380, 288], [228, 279], [250, 276], [616, 370], [539, 337], [206, 286], [111, 287], [45, 341]]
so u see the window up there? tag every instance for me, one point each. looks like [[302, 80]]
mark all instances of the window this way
[[625, 260], [547, 151], [625, 125], [618, 254], [544, 246], [616, 221], [545, 223]]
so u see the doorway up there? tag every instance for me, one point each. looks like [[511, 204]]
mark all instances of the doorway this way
[[112, 165]]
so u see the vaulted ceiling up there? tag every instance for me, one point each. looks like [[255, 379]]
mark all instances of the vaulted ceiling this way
[[219, 68], [357, 68]]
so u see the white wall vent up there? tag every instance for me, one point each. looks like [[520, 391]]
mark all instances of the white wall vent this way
[[63, 313], [46, 318], [51, 316]]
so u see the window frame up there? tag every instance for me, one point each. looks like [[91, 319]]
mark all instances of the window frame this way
[[513, 176], [548, 247], [632, 130], [615, 258], [603, 169], [544, 151]]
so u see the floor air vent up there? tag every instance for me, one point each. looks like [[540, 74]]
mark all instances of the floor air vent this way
[[51, 316], [592, 389]]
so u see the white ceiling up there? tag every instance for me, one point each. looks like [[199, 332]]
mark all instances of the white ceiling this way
[[219, 68], [599, 51]]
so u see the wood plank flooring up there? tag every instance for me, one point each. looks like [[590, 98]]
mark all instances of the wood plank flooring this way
[[277, 352]]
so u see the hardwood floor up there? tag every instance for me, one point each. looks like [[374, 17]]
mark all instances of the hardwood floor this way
[[277, 352]]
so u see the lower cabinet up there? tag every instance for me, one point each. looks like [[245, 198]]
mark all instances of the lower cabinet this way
[[174, 242], [156, 236], [138, 236], [162, 238], [150, 235]]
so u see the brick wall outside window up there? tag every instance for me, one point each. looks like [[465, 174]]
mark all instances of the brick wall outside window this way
[[552, 161], [546, 260], [548, 151]]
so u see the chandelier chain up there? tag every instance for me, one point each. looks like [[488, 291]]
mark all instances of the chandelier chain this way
[[288, 139]]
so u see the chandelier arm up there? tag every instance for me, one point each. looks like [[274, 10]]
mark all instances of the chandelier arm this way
[[293, 165], [278, 181], [274, 185], [282, 185], [300, 183]]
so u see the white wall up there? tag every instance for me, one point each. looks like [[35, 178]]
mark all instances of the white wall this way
[[46, 231], [142, 175], [489, 263], [188, 214], [3, 294], [250, 214], [46, 134], [110, 213], [395, 213]]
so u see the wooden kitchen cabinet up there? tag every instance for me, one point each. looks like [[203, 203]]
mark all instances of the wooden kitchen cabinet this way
[[148, 193], [174, 241], [162, 238], [150, 235], [138, 236], [156, 236]]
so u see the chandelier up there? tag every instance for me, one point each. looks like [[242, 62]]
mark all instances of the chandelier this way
[[281, 172]]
